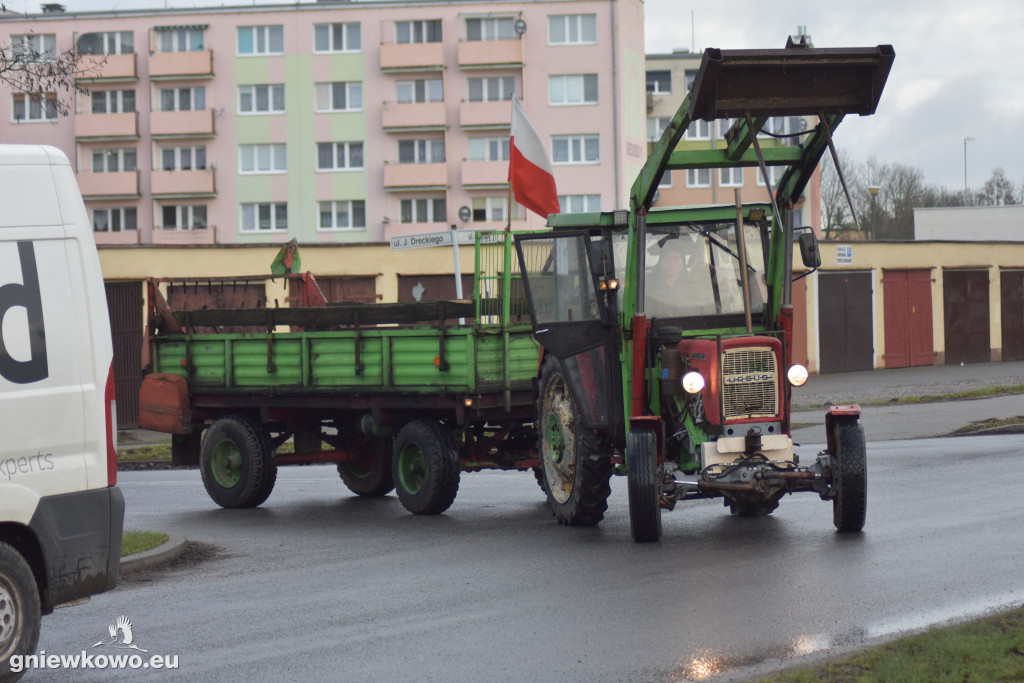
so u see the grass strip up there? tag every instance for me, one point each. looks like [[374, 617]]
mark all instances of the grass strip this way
[[981, 392], [988, 649], [990, 423], [134, 542]]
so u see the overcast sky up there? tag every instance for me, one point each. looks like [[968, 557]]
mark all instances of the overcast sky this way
[[959, 70]]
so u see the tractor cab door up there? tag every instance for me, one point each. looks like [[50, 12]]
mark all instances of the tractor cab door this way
[[569, 278]]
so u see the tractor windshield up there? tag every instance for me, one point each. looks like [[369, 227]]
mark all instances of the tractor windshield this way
[[694, 270]]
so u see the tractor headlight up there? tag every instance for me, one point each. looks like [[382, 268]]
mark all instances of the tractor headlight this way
[[693, 382], [797, 375]]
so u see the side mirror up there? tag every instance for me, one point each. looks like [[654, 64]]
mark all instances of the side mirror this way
[[809, 250]]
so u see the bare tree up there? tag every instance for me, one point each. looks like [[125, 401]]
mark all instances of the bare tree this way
[[834, 207], [26, 66], [998, 190]]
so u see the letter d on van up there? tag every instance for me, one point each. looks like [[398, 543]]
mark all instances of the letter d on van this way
[[25, 295]]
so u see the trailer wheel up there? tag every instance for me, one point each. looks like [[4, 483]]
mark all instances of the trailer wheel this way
[[642, 480], [426, 467], [849, 477], [237, 463], [371, 477], [575, 476], [19, 610]]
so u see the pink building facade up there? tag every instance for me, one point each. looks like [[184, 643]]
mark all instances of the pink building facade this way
[[335, 123]]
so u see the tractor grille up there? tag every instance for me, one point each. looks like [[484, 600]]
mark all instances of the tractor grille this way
[[750, 383]]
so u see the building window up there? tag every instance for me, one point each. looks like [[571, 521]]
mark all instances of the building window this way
[[579, 203], [339, 96], [339, 156], [498, 89], [666, 179], [489, 149], [113, 101], [261, 40], [691, 77], [184, 158], [659, 82], [699, 130], [573, 89], [572, 29], [420, 90], [183, 99], [730, 177], [723, 126], [106, 43], [490, 28], [34, 47], [774, 175], [115, 220], [656, 126], [181, 40], [114, 160], [492, 209], [265, 217], [783, 125], [183, 217], [34, 107], [261, 99], [343, 215], [337, 38], [429, 151], [423, 31], [575, 149], [423, 210], [265, 158], [698, 177]]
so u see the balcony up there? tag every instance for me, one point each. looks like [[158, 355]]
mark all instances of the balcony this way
[[406, 177], [485, 115], [107, 126], [412, 57], [484, 175], [173, 236], [181, 124], [490, 54], [180, 184], [414, 117], [165, 66], [124, 237], [108, 185], [93, 68]]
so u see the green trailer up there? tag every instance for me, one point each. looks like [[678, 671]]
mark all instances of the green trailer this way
[[404, 396]]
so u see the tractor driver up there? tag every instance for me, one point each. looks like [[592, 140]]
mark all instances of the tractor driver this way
[[680, 283]]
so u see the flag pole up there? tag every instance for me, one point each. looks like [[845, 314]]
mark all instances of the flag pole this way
[[508, 209]]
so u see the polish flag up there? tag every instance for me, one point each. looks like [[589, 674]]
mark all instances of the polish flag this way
[[529, 170]]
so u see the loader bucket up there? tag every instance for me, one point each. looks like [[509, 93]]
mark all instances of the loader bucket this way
[[796, 81]]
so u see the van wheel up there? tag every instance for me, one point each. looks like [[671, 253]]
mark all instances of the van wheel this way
[[371, 475], [19, 610], [237, 463], [426, 467]]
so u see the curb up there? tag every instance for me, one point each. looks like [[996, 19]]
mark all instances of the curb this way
[[171, 549]]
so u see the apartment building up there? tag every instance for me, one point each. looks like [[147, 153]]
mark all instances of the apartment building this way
[[669, 78], [334, 122]]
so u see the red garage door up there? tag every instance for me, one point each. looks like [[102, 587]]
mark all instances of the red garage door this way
[[908, 318]]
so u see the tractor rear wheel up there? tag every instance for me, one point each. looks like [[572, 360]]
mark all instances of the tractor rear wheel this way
[[575, 475]]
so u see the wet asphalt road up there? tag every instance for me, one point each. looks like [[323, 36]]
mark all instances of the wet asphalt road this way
[[321, 585]]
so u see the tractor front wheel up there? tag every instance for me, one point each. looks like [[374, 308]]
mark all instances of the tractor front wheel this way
[[642, 477], [849, 477]]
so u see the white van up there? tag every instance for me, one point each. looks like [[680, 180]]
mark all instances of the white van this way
[[61, 513]]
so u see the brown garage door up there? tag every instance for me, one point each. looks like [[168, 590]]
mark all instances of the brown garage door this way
[[907, 298], [844, 322], [124, 305], [965, 303], [349, 288], [1011, 309]]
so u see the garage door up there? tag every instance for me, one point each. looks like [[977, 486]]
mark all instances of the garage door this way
[[907, 296], [1012, 313], [965, 303], [844, 322]]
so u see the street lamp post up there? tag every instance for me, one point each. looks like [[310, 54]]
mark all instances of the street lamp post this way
[[966, 140]]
